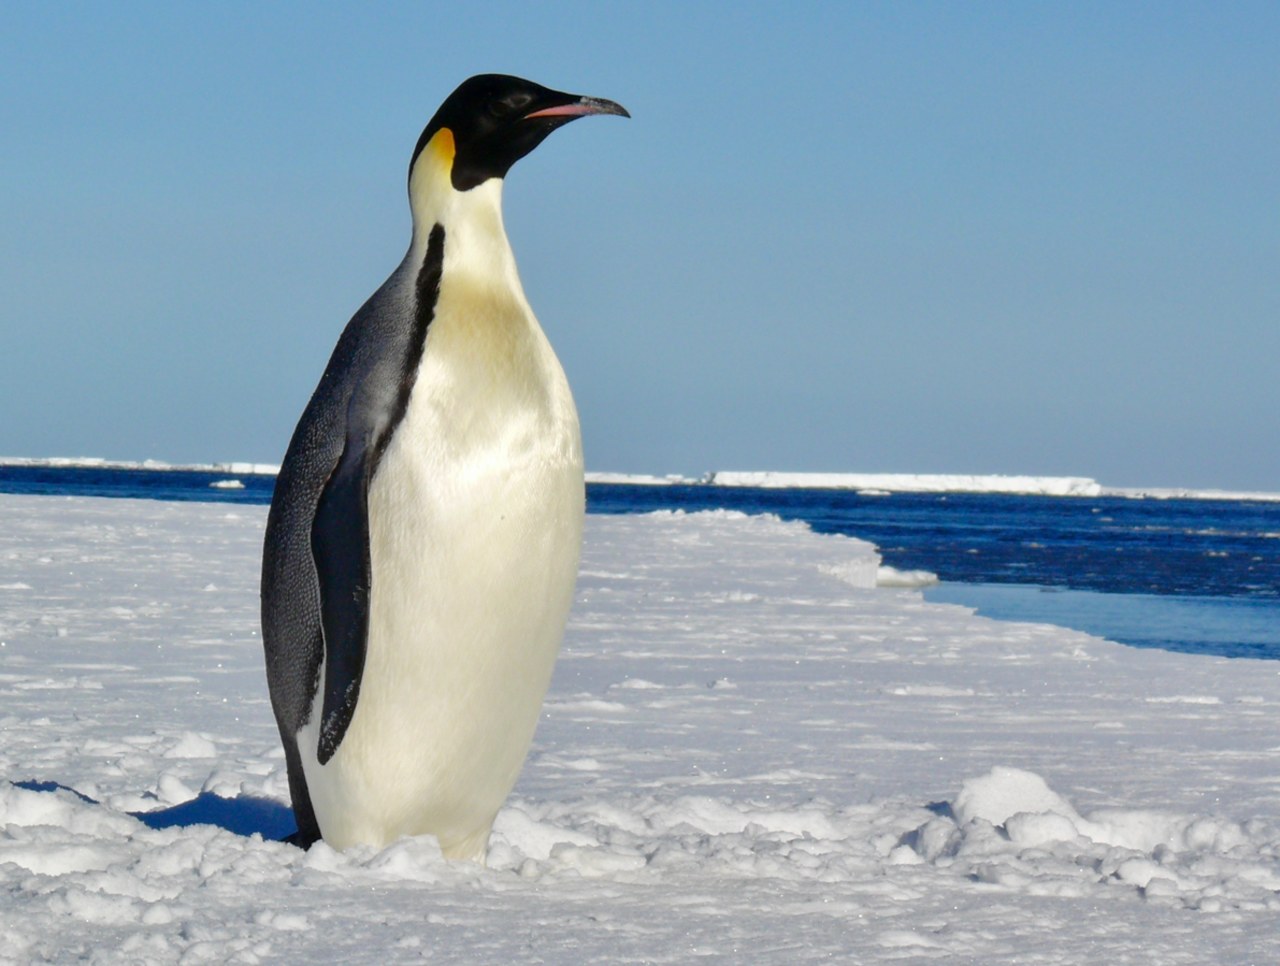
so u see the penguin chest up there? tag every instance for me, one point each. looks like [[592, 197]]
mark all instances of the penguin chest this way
[[475, 525]]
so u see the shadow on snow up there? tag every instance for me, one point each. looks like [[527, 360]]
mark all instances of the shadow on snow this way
[[240, 816]]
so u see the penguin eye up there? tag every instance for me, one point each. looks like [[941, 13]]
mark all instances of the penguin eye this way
[[501, 107]]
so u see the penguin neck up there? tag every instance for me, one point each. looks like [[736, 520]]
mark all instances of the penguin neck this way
[[475, 238]]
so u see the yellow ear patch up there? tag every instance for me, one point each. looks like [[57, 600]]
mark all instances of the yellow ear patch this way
[[442, 147]]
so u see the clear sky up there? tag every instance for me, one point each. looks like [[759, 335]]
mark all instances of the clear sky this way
[[902, 237]]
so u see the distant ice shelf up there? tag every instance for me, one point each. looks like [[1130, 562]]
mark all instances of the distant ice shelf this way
[[641, 479], [915, 482], [1174, 493], [878, 484], [868, 484], [94, 462]]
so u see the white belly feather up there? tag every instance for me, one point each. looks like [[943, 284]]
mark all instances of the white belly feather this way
[[475, 520]]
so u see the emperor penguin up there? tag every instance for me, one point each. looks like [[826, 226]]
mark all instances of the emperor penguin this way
[[423, 539]]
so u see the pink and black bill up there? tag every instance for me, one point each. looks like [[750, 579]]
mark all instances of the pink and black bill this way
[[497, 119]]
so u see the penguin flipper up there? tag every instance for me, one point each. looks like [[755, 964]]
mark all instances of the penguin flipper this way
[[340, 549]]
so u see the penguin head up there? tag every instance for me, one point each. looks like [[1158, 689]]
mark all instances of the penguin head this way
[[493, 120]]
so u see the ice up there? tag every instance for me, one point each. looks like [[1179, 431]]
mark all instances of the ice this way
[[915, 482], [1005, 792], [636, 479], [887, 576], [192, 745], [1010, 827], [1179, 493], [97, 462], [885, 484], [750, 753], [865, 484]]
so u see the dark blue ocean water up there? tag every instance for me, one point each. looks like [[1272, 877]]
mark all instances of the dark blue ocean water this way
[[1200, 576]]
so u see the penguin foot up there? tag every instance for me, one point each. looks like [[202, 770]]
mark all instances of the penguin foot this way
[[300, 840]]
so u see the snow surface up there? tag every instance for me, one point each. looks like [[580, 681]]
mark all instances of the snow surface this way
[[749, 754]]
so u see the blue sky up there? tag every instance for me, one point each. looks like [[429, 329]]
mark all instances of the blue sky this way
[[978, 238]]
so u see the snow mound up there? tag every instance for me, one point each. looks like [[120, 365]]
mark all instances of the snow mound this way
[[887, 576], [1010, 828]]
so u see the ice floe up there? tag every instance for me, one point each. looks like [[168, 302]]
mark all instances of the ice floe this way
[[750, 753]]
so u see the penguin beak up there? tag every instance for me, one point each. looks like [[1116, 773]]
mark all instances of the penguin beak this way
[[580, 107]]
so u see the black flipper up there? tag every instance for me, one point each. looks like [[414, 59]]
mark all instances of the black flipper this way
[[340, 527], [340, 548]]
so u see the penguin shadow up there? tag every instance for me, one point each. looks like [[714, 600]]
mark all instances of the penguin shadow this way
[[245, 815]]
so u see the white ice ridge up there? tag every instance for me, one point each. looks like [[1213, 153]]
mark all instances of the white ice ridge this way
[[915, 482], [869, 484], [881, 484], [94, 462], [888, 576], [749, 753], [638, 479], [1174, 493]]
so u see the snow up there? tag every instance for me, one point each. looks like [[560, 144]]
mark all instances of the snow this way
[[1176, 493], [885, 484], [880, 484], [750, 753], [636, 479], [95, 462], [915, 482], [888, 576]]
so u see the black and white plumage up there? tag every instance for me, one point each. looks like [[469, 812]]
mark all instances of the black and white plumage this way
[[423, 539]]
